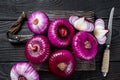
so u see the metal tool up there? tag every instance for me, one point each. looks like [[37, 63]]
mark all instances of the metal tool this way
[[106, 55]]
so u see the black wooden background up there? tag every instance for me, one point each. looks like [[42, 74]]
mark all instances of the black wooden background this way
[[10, 54]]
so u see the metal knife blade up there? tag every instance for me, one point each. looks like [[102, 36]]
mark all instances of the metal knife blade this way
[[108, 41], [106, 55]]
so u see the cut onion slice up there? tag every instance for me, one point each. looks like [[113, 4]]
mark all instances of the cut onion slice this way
[[100, 31], [81, 24]]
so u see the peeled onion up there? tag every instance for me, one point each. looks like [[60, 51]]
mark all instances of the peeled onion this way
[[81, 24], [60, 32], [23, 71], [62, 63], [100, 31], [38, 22], [84, 45], [37, 49]]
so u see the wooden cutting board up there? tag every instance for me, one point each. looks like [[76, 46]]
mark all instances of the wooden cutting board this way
[[81, 65]]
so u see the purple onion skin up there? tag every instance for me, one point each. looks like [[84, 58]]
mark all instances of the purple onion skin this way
[[62, 56], [53, 36], [23, 69], [42, 25], [43, 51], [78, 46]]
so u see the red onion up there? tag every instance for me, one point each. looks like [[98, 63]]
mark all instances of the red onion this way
[[23, 71], [38, 22], [84, 45], [82, 23], [62, 63], [37, 49], [72, 19], [100, 31], [60, 32]]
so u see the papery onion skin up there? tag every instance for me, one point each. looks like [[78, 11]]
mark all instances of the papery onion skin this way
[[42, 52], [78, 46], [53, 36], [42, 22], [23, 69], [62, 56]]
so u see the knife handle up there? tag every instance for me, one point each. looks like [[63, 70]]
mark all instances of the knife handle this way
[[105, 62]]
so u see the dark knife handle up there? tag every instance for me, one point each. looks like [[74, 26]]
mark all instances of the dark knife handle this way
[[105, 62]]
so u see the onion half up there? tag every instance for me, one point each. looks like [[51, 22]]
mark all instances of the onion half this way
[[38, 22], [60, 32], [23, 71], [100, 31], [62, 63], [37, 49], [81, 23], [84, 45]]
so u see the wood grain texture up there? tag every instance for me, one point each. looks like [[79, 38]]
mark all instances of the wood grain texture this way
[[11, 9], [78, 75]]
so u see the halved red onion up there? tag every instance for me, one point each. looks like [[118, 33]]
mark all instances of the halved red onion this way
[[60, 32], [72, 19], [23, 71], [62, 63], [84, 45], [37, 49], [38, 22], [100, 31], [81, 23]]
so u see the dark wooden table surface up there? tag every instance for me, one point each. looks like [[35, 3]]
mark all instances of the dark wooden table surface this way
[[10, 54]]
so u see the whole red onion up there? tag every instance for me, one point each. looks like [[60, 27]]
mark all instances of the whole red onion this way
[[60, 32], [23, 71], [37, 49], [38, 22], [62, 63], [84, 45]]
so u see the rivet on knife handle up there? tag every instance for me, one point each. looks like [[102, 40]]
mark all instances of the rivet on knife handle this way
[[105, 64]]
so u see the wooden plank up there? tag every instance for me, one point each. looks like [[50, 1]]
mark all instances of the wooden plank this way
[[81, 75], [11, 9], [81, 65]]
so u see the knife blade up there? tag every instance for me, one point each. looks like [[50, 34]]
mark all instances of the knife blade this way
[[106, 55]]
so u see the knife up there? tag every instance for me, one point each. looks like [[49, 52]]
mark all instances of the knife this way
[[106, 55]]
